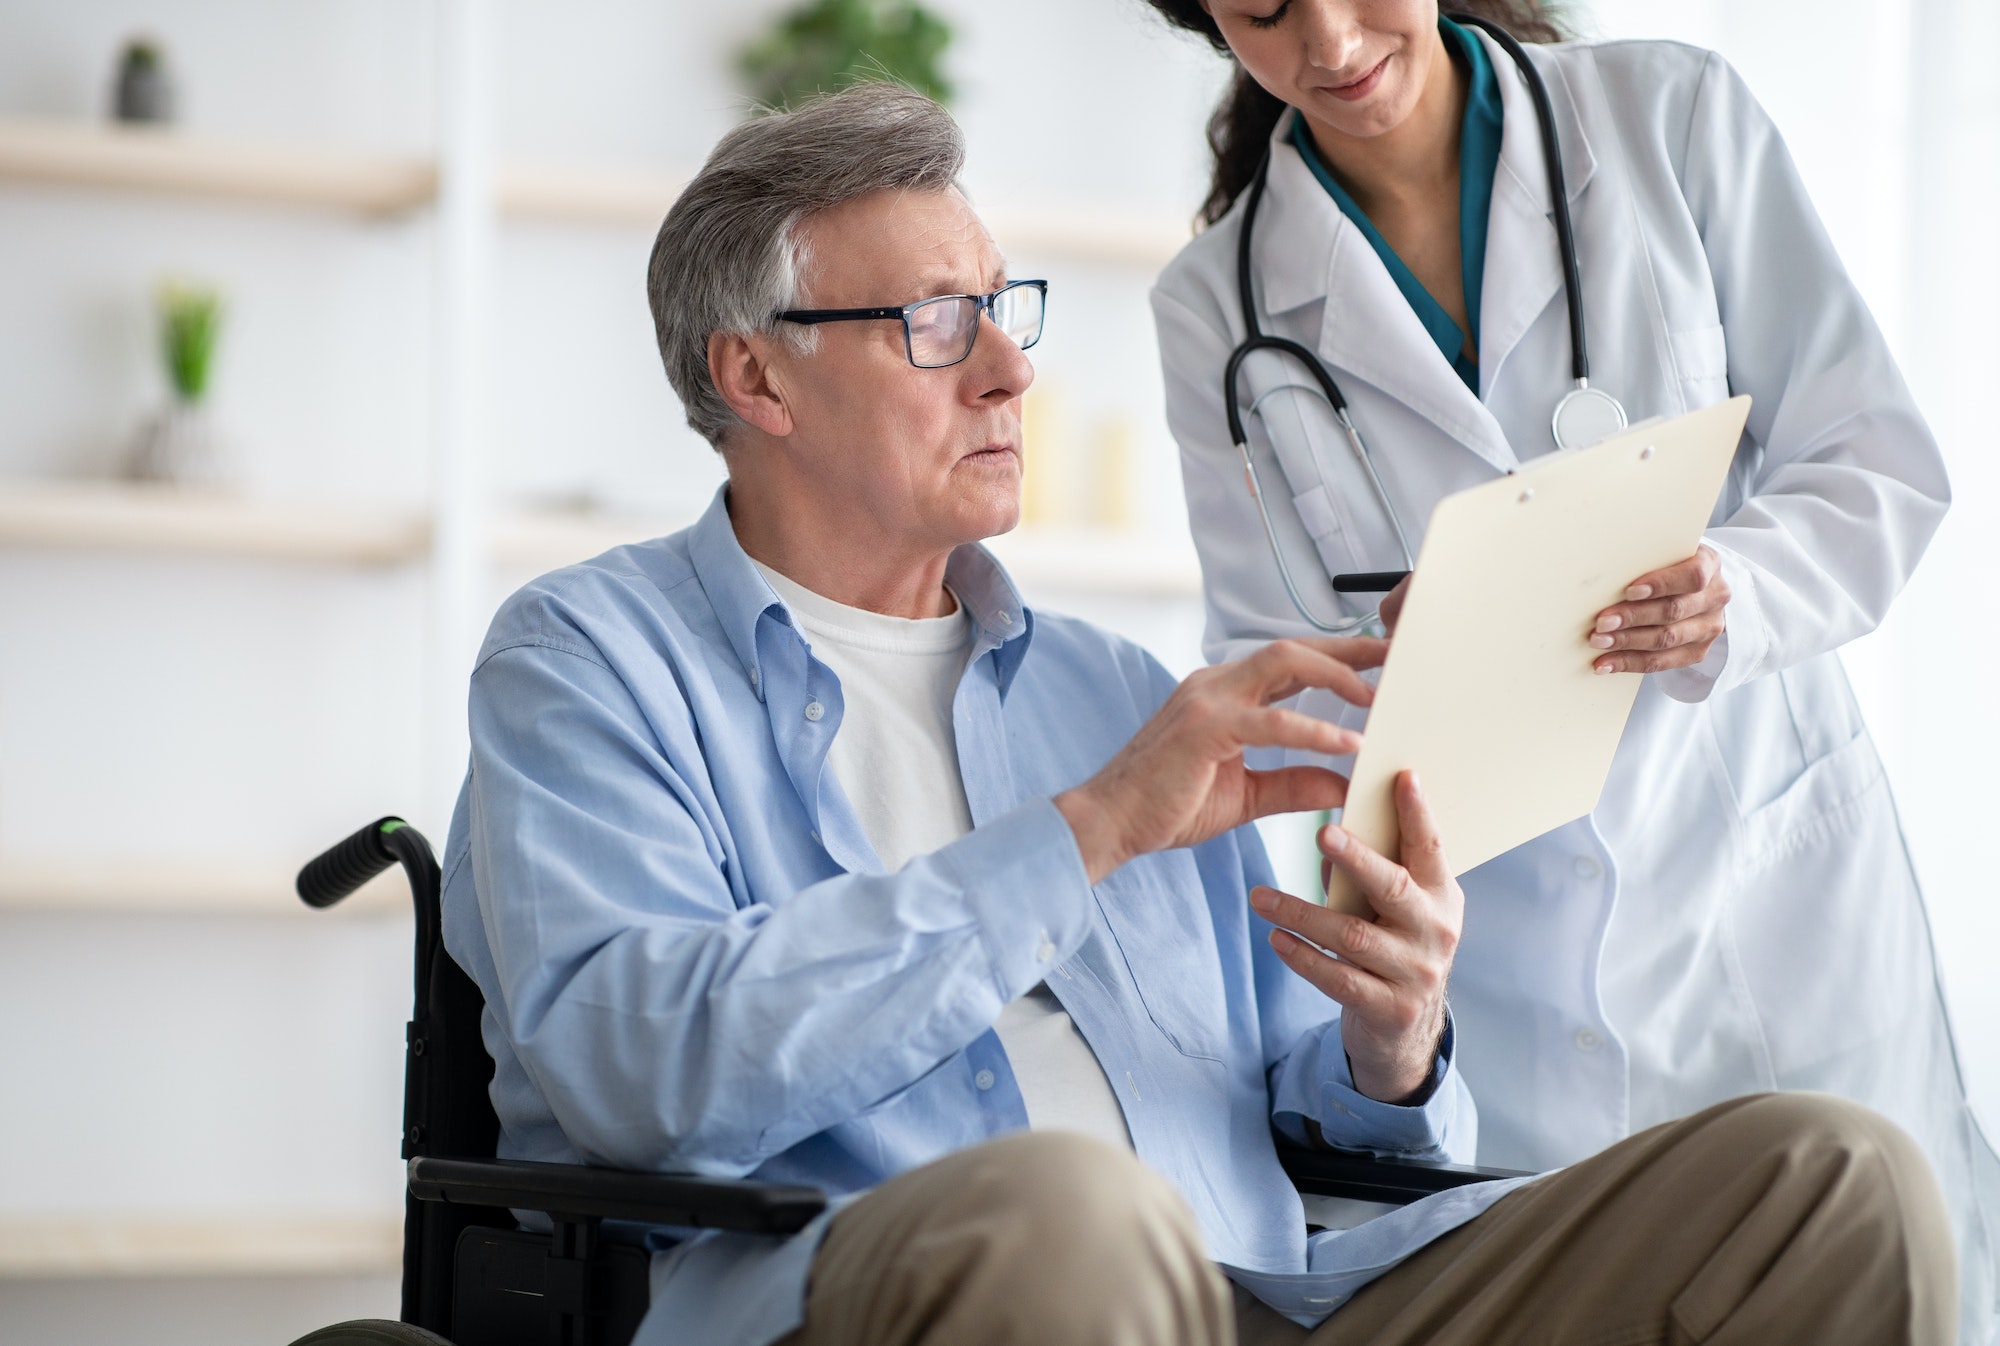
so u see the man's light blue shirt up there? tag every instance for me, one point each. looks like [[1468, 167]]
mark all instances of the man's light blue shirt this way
[[694, 962]]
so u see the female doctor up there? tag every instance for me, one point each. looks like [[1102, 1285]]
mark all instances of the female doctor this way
[[1739, 913]]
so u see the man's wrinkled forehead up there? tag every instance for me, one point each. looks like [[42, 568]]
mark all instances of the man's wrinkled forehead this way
[[899, 247]]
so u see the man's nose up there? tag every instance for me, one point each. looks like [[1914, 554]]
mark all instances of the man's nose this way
[[1002, 370]]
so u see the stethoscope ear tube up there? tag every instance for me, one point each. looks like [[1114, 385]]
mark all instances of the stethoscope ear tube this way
[[1255, 339]]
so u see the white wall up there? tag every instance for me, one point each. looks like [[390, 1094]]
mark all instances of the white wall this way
[[181, 709]]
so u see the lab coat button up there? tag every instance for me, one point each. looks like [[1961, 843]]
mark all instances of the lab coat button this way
[[814, 710], [984, 1079], [1587, 1040], [1587, 867]]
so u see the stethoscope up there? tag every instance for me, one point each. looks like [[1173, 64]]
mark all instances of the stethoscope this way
[[1584, 416]]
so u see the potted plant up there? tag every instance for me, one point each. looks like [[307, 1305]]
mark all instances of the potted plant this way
[[179, 444], [826, 45]]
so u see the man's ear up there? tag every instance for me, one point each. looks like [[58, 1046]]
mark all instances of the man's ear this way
[[740, 368]]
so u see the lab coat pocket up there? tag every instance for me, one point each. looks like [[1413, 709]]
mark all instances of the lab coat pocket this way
[[1811, 806], [1159, 921], [1701, 355], [1294, 424], [1828, 923], [1322, 523]]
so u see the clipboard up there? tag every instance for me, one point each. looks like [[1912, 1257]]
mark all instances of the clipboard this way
[[1488, 692]]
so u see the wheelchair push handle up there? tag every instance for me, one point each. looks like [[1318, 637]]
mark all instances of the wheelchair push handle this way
[[340, 869]]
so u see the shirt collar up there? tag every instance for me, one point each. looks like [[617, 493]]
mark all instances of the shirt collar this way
[[741, 596], [999, 617]]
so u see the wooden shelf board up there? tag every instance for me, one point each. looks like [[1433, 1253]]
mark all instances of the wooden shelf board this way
[[114, 1246], [182, 163], [1100, 561], [127, 516], [587, 195], [178, 888], [1142, 239], [152, 159]]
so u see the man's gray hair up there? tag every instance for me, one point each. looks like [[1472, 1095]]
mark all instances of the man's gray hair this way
[[728, 256]]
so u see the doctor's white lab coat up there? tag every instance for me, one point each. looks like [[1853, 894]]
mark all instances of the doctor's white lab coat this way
[[1739, 914]]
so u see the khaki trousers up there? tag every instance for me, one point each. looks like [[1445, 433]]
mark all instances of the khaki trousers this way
[[1765, 1220]]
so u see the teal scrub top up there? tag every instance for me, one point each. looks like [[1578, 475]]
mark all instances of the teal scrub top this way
[[1478, 160]]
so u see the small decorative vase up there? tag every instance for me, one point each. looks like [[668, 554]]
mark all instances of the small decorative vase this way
[[178, 444], [144, 91]]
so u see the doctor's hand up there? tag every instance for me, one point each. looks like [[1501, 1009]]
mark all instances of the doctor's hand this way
[[1390, 973], [1669, 620], [1182, 780]]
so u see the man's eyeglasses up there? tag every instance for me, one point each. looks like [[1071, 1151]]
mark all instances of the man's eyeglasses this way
[[939, 332]]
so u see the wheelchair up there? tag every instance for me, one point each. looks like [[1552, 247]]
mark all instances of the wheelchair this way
[[472, 1276]]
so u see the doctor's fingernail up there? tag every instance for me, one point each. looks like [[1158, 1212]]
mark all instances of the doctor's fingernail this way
[[1332, 838], [1602, 669], [1638, 592], [1264, 900], [1610, 622], [1601, 642]]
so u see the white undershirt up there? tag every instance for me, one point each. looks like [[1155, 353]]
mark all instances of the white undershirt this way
[[896, 758]]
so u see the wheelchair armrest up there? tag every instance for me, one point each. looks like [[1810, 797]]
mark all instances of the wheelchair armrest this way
[[617, 1194], [1364, 1177]]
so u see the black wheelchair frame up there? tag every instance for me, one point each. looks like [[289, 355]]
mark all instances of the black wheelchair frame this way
[[473, 1277]]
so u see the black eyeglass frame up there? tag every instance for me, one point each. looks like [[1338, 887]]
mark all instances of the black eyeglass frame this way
[[811, 316]]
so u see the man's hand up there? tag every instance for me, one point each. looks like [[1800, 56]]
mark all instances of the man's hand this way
[[1181, 780], [1669, 620], [1391, 972]]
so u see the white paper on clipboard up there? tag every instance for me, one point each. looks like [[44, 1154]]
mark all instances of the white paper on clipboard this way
[[1488, 692]]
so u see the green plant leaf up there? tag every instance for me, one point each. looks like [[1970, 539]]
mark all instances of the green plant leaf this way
[[826, 45], [190, 322]]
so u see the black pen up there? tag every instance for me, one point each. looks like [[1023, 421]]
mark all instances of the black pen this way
[[1369, 581]]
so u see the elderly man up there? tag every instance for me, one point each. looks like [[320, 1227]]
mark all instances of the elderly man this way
[[795, 846]]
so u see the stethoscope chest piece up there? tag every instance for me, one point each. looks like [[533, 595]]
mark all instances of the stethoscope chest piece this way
[[1586, 416]]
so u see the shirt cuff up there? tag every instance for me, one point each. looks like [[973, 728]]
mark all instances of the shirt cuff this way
[[1350, 1120], [1024, 881]]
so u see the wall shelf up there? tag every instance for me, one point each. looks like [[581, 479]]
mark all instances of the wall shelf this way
[[181, 888], [112, 1246], [1100, 561], [134, 517], [187, 164], [150, 159], [112, 516]]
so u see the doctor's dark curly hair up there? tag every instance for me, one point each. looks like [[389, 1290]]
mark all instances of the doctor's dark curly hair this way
[[1247, 114]]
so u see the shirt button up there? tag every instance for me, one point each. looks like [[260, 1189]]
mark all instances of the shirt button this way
[[756, 678], [1046, 949], [1002, 617], [1587, 867], [984, 1079], [1587, 1040], [814, 710]]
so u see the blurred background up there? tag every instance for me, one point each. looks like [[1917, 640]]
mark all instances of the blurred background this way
[[341, 334]]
